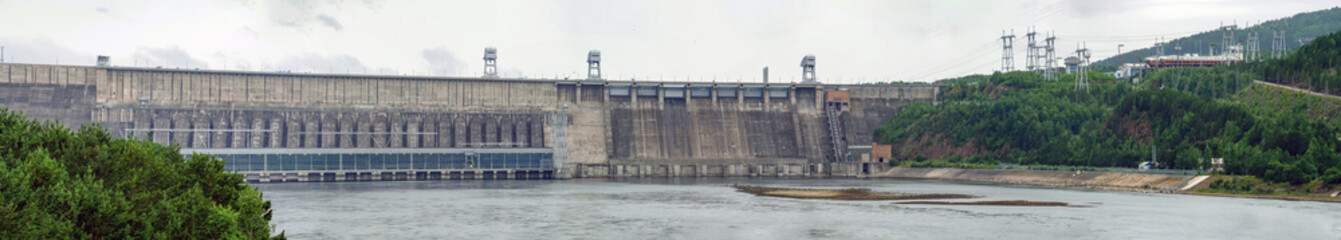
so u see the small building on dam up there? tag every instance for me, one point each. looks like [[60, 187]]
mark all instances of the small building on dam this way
[[282, 127]]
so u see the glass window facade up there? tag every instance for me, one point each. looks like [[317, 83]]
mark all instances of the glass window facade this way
[[384, 161]]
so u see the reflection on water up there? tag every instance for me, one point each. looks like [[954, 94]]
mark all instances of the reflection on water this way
[[705, 209]]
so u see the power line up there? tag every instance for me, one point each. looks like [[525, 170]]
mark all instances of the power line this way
[[957, 62]]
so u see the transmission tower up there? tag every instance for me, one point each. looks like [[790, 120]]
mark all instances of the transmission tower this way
[[1007, 45], [1228, 41], [1050, 71], [1159, 47], [1031, 54], [1082, 75], [1227, 37], [1250, 47], [1278, 41]]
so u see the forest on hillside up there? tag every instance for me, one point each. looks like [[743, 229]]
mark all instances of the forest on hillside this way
[[1302, 25], [1020, 118]]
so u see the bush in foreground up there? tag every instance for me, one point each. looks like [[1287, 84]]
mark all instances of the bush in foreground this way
[[55, 183]]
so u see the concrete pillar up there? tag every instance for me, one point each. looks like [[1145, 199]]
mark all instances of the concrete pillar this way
[[181, 126], [444, 129], [578, 94], [661, 96], [220, 137], [674, 171], [161, 121], [347, 127], [379, 130], [507, 127], [538, 133], [240, 135], [713, 91], [397, 137], [819, 97], [768, 97], [461, 126], [328, 128], [520, 136], [365, 125], [257, 136], [633, 94], [412, 131], [740, 97], [791, 95], [201, 131], [434, 125], [293, 134], [276, 133], [689, 97], [311, 128], [490, 130]]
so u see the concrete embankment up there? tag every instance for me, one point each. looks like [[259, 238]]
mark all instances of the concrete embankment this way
[[1098, 180]]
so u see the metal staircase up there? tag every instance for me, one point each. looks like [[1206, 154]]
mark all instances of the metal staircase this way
[[836, 132]]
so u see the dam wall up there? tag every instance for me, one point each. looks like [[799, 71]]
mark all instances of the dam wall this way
[[591, 128], [872, 105]]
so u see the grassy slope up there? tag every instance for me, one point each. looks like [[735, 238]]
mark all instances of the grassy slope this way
[[1263, 100]]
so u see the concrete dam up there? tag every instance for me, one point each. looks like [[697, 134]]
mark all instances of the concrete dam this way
[[279, 127]]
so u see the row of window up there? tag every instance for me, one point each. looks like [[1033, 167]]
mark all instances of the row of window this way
[[384, 161], [679, 92]]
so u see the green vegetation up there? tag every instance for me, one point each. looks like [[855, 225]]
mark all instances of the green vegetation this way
[[939, 164], [1015, 118], [1303, 25], [1248, 184], [1018, 118], [1232, 184], [1267, 100], [55, 183], [1313, 66], [1214, 82], [1183, 116]]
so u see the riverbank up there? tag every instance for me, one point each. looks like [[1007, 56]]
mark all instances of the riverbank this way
[[1094, 180], [1135, 182], [847, 194]]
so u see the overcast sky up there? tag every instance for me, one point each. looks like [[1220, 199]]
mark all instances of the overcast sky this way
[[853, 41]]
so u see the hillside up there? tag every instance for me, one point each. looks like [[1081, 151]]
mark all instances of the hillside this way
[[1018, 118], [1312, 67], [1268, 100], [1302, 25]]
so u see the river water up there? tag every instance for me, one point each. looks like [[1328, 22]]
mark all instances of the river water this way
[[708, 209]]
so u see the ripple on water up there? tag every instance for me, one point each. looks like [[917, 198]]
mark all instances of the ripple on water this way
[[705, 209]]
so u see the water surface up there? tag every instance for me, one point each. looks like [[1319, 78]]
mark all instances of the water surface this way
[[707, 209]]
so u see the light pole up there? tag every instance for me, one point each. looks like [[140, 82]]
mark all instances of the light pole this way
[[1120, 54]]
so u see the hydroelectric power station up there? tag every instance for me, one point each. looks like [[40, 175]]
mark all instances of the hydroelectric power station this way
[[282, 127]]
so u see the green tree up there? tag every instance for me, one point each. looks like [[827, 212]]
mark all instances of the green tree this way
[[55, 183]]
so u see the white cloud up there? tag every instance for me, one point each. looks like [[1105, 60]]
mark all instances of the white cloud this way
[[854, 40], [169, 57], [443, 62]]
